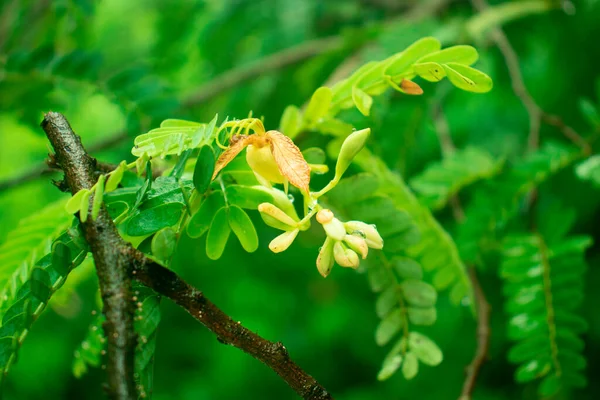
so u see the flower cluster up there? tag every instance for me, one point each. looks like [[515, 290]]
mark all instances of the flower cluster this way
[[274, 158], [345, 242]]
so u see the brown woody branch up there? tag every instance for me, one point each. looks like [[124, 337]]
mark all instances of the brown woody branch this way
[[110, 259], [116, 262]]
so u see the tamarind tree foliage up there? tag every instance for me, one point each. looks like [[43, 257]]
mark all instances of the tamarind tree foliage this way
[[373, 199]]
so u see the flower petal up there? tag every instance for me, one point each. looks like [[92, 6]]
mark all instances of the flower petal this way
[[230, 154], [290, 160]]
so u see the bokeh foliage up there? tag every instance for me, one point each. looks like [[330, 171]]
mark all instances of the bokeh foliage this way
[[122, 67]]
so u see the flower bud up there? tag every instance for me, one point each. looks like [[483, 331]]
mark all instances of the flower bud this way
[[325, 259], [334, 228], [283, 241], [344, 256], [358, 244], [324, 216], [276, 218], [369, 232], [350, 148]]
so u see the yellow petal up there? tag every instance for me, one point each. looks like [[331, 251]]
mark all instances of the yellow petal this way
[[260, 159], [289, 159], [230, 154], [283, 241]]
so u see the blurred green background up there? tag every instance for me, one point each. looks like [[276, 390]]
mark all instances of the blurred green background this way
[[134, 63]]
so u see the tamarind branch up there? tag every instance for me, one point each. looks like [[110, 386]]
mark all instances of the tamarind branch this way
[[117, 262]]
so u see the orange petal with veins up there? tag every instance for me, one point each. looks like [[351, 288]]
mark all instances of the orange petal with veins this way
[[290, 160], [230, 154]]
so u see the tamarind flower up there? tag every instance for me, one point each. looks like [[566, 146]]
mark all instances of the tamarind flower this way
[[345, 242], [272, 156]]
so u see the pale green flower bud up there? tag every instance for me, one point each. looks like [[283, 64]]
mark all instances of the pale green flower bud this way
[[334, 228], [325, 259], [358, 244], [275, 217], [283, 241], [344, 256], [350, 148], [369, 232]]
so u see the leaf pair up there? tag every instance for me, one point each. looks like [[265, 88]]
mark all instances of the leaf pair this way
[[218, 218]]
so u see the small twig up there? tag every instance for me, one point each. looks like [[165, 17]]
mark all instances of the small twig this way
[[116, 262], [483, 338], [235, 77], [536, 113], [43, 170]]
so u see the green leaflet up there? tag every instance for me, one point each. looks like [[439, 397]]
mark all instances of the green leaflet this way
[[467, 78], [436, 250], [389, 326], [115, 177], [203, 171], [148, 317], [163, 244], [243, 228], [291, 121], [74, 203], [153, 219], [201, 220], [589, 170], [98, 197], [317, 107], [314, 155], [543, 286], [424, 349], [460, 54], [174, 137], [249, 197], [89, 352], [218, 234], [442, 180], [164, 190], [496, 201], [26, 244], [19, 313]]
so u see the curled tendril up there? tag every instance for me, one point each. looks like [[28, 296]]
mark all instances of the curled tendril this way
[[236, 127]]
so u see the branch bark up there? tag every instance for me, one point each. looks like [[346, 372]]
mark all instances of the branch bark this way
[[111, 262], [117, 259]]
